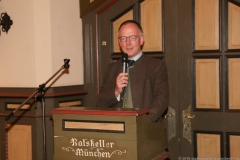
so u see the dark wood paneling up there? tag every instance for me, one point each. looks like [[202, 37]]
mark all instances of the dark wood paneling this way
[[86, 6], [33, 116]]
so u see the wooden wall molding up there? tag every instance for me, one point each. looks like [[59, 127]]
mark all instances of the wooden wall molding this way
[[47, 95]]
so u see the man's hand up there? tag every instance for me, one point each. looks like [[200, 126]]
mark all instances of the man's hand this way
[[121, 82]]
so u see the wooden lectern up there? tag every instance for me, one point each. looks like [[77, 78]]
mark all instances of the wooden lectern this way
[[84, 133]]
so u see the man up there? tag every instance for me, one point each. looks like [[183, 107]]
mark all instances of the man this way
[[145, 85]]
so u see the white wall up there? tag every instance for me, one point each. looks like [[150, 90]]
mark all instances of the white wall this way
[[42, 35]]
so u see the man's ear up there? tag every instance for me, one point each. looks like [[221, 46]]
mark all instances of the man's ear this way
[[120, 46], [141, 40]]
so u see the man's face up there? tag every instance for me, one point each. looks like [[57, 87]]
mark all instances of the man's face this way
[[132, 46]]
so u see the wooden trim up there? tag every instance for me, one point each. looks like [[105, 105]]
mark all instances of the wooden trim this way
[[100, 111], [162, 156], [27, 115], [87, 6], [97, 57], [47, 95]]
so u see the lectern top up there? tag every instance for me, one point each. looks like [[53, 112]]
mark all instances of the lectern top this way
[[100, 111]]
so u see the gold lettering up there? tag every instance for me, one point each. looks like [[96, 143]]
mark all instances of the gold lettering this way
[[74, 141]]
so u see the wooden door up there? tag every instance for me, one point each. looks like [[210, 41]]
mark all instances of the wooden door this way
[[209, 90], [199, 40]]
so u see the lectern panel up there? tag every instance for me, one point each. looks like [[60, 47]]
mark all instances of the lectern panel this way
[[115, 135], [94, 126]]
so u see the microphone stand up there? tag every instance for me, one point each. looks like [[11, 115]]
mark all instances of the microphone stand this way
[[41, 91]]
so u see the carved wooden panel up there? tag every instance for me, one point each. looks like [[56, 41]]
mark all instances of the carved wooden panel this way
[[104, 126], [234, 146], [151, 21], [206, 24], [233, 26], [208, 145], [14, 106], [234, 82], [70, 103], [116, 24], [207, 84], [19, 142]]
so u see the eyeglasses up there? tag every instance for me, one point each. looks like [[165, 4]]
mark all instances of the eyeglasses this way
[[131, 38]]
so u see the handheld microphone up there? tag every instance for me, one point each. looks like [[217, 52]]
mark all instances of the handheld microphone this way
[[124, 62]]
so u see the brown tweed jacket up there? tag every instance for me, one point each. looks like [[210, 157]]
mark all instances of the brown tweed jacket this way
[[149, 86]]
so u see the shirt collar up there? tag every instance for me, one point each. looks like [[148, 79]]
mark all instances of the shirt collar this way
[[137, 56]]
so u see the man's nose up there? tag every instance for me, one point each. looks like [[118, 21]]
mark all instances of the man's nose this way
[[128, 40]]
